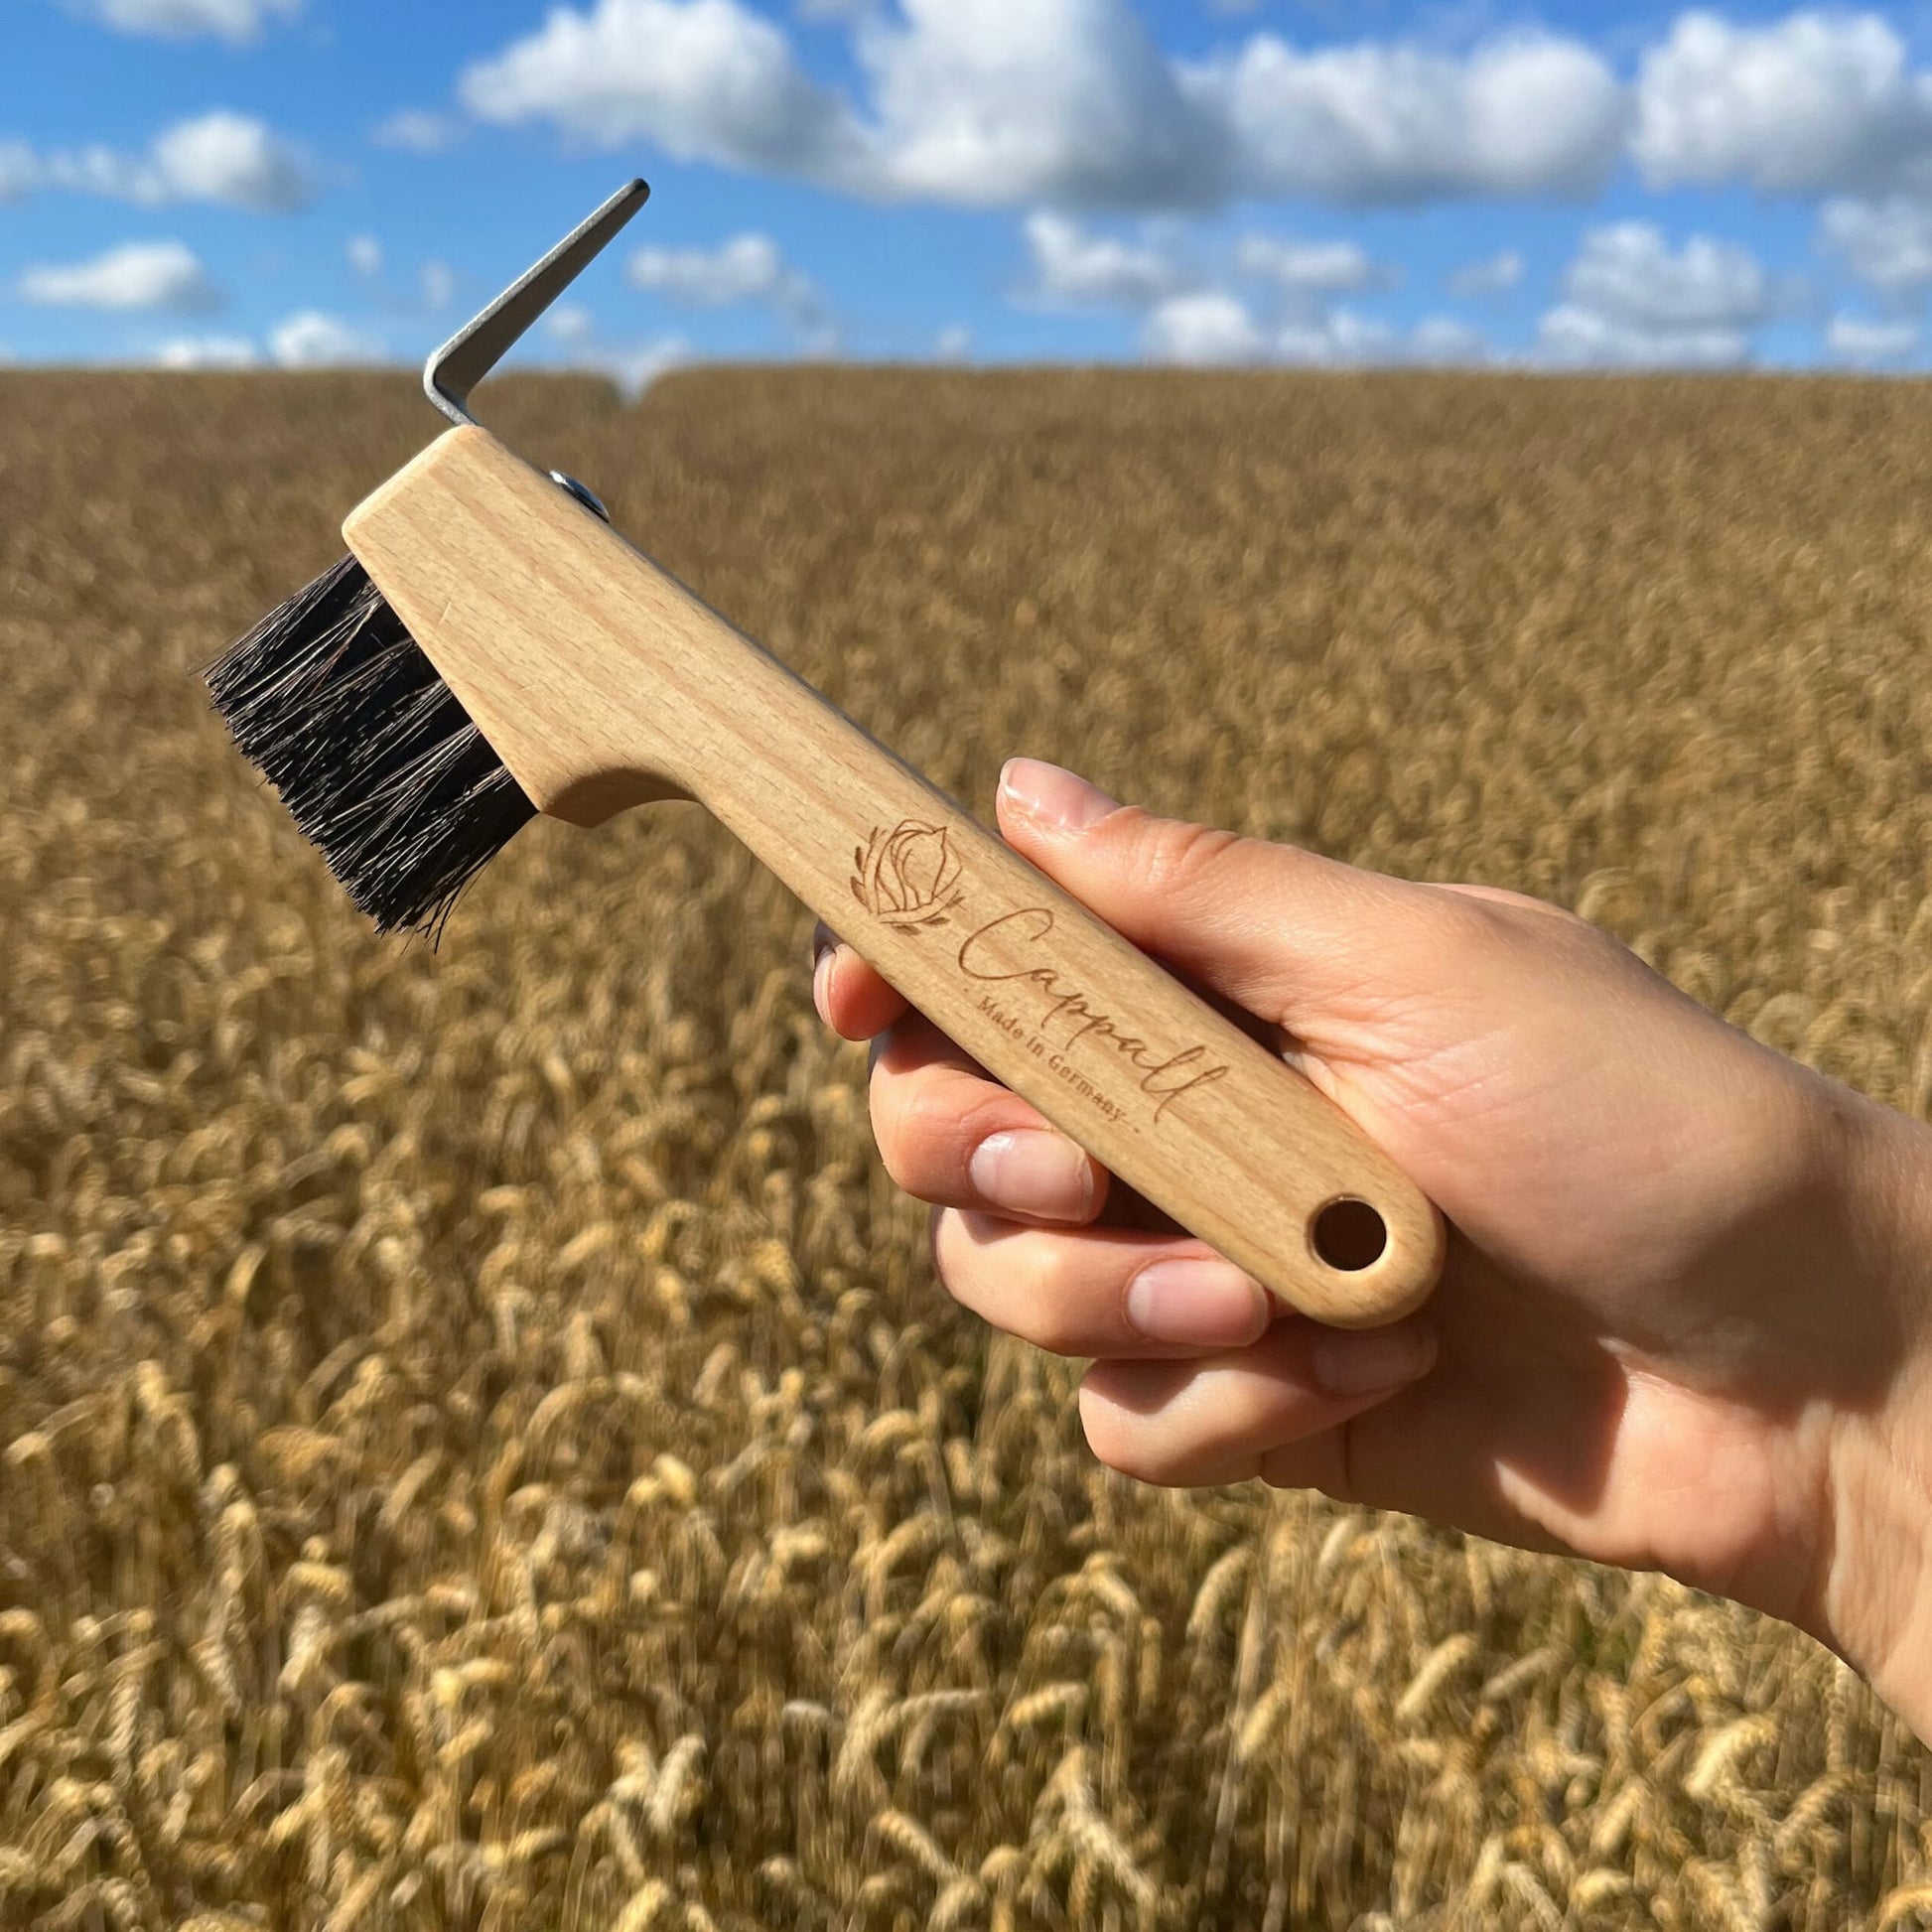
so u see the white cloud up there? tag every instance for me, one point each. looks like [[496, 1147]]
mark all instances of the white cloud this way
[[436, 280], [1529, 114], [706, 79], [1310, 268], [954, 344], [1209, 326], [1575, 337], [1066, 102], [1073, 268], [229, 159], [20, 171], [1866, 345], [1628, 274], [1815, 100], [1344, 340], [208, 353], [1072, 105], [97, 170], [137, 275], [1632, 300], [1886, 245], [1214, 327], [746, 268], [311, 340], [635, 370], [1444, 340], [1339, 338], [235, 159], [633, 367], [416, 130], [1492, 275], [570, 323], [989, 102], [235, 20]]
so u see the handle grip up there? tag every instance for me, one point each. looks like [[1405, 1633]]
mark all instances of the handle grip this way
[[602, 681], [1166, 1092]]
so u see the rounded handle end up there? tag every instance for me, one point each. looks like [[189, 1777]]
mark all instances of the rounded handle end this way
[[1371, 1264]]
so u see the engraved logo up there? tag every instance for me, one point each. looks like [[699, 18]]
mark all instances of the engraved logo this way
[[987, 956], [907, 877]]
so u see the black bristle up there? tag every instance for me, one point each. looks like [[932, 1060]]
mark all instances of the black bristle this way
[[374, 756]]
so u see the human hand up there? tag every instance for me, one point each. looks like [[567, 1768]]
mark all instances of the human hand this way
[[1681, 1325]]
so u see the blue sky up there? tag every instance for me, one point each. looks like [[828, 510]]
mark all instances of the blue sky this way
[[308, 182]]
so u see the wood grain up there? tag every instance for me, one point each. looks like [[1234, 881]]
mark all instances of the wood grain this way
[[603, 683]]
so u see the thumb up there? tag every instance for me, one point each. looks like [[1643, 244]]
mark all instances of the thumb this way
[[1291, 935]]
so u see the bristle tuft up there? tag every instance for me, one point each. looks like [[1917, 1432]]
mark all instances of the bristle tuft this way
[[373, 756]]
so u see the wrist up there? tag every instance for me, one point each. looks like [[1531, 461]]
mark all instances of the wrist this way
[[1875, 1606]]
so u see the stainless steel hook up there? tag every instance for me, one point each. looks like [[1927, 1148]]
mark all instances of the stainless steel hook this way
[[474, 350]]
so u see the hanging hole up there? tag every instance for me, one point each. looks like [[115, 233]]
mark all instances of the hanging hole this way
[[1349, 1234]]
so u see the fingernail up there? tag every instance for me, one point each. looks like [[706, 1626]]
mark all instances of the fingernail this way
[[822, 982], [1205, 1304], [1031, 1172], [1053, 796], [1366, 1360]]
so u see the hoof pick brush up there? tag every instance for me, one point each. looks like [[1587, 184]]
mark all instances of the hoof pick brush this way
[[491, 649]]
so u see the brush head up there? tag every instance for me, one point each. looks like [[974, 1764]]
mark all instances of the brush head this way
[[374, 756]]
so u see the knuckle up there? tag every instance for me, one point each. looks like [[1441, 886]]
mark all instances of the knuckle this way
[[914, 1110], [1054, 1331], [1018, 1286], [1176, 858], [910, 1162], [1060, 1316], [1495, 908], [1494, 921], [1545, 923], [921, 1128], [961, 1264], [1047, 1322], [1116, 1441], [902, 1157]]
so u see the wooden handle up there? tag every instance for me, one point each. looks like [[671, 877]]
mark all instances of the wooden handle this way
[[601, 683]]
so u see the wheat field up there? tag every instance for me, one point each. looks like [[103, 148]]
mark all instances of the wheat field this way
[[480, 1446]]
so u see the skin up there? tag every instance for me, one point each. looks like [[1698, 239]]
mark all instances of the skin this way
[[1684, 1319]]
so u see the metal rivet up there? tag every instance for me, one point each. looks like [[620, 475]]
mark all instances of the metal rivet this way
[[584, 493]]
